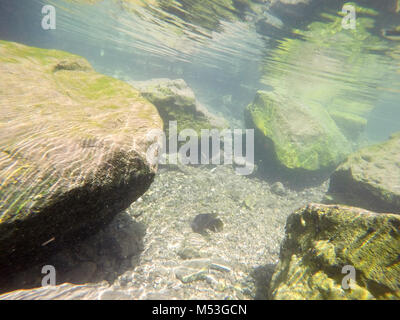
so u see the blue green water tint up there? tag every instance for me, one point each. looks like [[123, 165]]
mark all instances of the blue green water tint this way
[[227, 50], [317, 80]]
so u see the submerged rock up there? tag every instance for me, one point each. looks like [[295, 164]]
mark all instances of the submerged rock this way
[[206, 221], [176, 101], [299, 137], [351, 125], [72, 150], [320, 240], [278, 188], [370, 178], [309, 64]]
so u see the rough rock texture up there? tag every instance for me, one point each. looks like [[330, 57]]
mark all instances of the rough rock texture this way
[[370, 178], [72, 150], [301, 137], [176, 101], [320, 240]]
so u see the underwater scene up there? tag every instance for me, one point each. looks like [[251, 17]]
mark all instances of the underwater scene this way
[[199, 150]]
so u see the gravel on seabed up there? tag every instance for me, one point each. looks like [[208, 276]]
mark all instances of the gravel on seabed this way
[[151, 252]]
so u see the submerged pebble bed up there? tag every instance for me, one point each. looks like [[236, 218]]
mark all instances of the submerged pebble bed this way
[[150, 251], [235, 263]]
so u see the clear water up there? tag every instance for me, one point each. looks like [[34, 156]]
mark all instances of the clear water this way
[[227, 53], [224, 54]]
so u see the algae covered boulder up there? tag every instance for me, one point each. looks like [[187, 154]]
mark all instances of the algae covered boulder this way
[[325, 246], [72, 150], [370, 178], [176, 101], [301, 137], [351, 125], [335, 67]]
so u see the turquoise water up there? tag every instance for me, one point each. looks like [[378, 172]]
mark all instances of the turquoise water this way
[[329, 78], [228, 56]]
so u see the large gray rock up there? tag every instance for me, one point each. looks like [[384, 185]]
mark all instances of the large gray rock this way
[[370, 178], [72, 150]]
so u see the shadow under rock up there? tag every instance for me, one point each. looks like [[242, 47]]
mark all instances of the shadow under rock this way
[[262, 276], [103, 256], [296, 180]]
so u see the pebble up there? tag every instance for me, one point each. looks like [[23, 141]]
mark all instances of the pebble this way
[[278, 189], [219, 267], [187, 275]]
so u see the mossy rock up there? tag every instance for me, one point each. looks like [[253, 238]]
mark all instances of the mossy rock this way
[[320, 240], [72, 150], [333, 67], [370, 178], [301, 137], [350, 124], [176, 101]]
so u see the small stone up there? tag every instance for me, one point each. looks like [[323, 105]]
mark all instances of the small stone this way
[[206, 221], [187, 275], [188, 253], [211, 280], [219, 267], [221, 286], [278, 188]]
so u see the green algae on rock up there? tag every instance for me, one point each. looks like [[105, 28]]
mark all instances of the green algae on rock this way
[[176, 101], [351, 125], [320, 240], [370, 178], [72, 150], [335, 67], [302, 137]]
